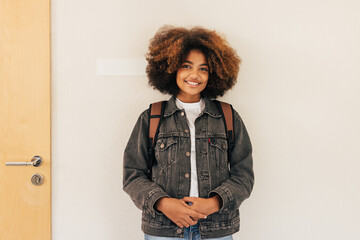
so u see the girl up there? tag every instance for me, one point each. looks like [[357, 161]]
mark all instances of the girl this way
[[198, 180]]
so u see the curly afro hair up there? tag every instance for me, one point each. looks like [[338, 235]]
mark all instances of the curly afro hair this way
[[170, 46]]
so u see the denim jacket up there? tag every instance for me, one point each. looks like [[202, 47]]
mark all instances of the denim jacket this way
[[232, 179]]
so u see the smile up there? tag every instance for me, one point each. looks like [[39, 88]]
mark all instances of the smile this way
[[193, 83]]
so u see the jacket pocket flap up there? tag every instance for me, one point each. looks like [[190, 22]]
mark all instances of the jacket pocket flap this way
[[219, 143], [164, 143]]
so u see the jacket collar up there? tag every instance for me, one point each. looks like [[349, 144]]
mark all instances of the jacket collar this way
[[210, 107]]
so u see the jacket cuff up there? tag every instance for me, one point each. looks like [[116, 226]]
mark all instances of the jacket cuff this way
[[150, 201], [226, 197]]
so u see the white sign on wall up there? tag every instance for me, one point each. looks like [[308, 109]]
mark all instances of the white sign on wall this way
[[120, 66]]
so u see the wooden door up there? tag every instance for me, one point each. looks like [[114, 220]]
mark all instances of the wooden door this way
[[25, 210]]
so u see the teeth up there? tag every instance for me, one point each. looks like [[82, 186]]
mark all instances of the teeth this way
[[193, 83]]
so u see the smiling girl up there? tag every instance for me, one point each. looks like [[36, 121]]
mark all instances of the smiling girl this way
[[198, 179]]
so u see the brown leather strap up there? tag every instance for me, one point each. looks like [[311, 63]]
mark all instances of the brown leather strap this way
[[155, 114], [228, 115]]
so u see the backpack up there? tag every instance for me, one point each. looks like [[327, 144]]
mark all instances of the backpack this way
[[156, 111]]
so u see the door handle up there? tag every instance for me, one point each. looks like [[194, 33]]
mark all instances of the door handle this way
[[35, 161]]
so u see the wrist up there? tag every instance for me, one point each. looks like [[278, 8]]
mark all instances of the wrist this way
[[159, 204], [217, 202]]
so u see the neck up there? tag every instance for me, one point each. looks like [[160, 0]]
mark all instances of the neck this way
[[189, 99]]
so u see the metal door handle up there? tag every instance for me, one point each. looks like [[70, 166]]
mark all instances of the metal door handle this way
[[35, 161]]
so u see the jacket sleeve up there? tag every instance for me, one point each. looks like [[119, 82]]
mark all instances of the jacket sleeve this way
[[143, 192], [241, 181]]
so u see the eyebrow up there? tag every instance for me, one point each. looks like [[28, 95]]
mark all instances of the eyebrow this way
[[204, 64]]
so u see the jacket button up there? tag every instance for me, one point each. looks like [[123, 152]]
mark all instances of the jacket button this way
[[182, 114], [187, 154], [187, 175], [186, 130], [162, 145], [179, 231]]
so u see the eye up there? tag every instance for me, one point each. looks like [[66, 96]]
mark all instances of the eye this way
[[186, 66], [204, 69]]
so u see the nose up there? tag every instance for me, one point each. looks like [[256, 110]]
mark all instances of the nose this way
[[194, 75]]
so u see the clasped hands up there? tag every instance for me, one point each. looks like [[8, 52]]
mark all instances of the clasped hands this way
[[184, 214]]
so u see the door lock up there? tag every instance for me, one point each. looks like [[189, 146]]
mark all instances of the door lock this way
[[37, 179]]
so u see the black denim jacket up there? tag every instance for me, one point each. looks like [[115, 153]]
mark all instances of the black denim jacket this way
[[232, 178]]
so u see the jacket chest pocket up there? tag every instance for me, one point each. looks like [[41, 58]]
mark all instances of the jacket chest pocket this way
[[219, 153], [165, 151]]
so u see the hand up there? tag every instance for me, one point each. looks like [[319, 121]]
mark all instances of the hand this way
[[205, 206], [178, 211]]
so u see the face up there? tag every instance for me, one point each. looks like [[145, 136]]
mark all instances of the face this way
[[192, 76]]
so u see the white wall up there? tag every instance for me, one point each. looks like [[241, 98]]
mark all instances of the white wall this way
[[297, 93]]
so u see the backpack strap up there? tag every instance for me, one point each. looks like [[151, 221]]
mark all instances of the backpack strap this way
[[229, 119], [227, 113], [156, 113], [155, 116]]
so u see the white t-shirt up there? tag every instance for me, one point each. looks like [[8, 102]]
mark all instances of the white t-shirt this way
[[192, 111]]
